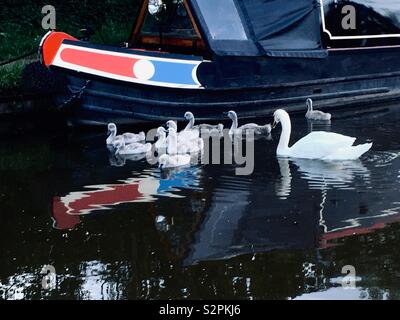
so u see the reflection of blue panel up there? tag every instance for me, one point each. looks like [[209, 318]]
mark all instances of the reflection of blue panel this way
[[177, 73], [180, 180], [168, 185]]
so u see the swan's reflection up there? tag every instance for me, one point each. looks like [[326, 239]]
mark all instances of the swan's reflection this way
[[322, 175], [345, 176], [283, 188], [119, 160]]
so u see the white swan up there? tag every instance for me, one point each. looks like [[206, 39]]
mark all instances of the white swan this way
[[187, 134], [212, 130], [189, 144], [117, 140], [162, 139], [133, 148], [128, 137], [236, 130], [317, 145], [189, 117], [316, 114], [204, 128], [178, 145], [195, 146], [172, 161], [112, 137]]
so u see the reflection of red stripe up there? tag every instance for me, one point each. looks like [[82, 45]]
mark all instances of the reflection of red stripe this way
[[64, 221], [350, 232], [116, 194], [357, 231], [122, 66]]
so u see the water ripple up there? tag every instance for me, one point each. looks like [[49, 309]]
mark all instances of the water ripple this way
[[382, 159]]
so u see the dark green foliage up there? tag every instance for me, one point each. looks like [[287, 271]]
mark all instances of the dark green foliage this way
[[21, 31]]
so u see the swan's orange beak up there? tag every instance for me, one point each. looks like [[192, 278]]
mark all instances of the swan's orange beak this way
[[274, 124]]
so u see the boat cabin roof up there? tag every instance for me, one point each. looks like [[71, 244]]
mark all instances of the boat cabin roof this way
[[267, 27]]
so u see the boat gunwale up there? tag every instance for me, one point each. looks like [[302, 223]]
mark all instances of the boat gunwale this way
[[251, 88]]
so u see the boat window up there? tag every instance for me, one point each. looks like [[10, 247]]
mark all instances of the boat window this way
[[373, 23], [174, 21], [222, 19], [170, 29]]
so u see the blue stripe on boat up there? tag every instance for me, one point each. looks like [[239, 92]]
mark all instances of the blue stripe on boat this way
[[177, 73]]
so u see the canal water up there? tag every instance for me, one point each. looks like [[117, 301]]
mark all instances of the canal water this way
[[102, 227]]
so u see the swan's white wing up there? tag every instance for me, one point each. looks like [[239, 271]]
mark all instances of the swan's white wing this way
[[318, 115], [349, 153], [320, 144], [329, 138], [249, 126], [206, 126], [257, 129], [188, 135], [178, 160], [195, 145], [133, 138]]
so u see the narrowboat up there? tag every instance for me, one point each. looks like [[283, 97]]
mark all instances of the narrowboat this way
[[252, 56]]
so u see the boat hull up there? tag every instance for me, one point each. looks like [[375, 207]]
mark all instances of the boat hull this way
[[252, 86], [107, 101]]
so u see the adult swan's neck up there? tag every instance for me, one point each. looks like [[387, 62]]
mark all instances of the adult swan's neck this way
[[190, 125], [283, 146], [235, 123]]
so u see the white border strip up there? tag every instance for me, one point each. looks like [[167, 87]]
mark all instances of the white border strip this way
[[380, 36], [60, 63]]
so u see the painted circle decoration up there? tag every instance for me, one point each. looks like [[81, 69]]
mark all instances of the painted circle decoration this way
[[144, 70]]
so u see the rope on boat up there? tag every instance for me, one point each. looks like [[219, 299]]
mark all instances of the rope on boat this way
[[3, 63], [75, 95]]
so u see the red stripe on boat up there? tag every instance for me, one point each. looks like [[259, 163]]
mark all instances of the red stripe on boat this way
[[51, 44], [122, 66]]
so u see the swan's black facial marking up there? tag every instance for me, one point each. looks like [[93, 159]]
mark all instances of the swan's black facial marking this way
[[189, 116], [111, 127], [232, 115], [170, 124]]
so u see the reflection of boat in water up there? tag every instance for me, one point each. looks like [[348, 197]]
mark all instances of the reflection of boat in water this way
[[67, 209], [362, 226], [242, 219]]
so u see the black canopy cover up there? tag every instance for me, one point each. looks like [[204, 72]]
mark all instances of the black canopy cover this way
[[259, 27]]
